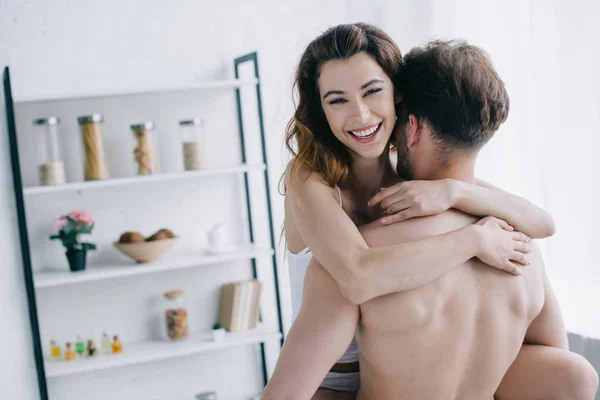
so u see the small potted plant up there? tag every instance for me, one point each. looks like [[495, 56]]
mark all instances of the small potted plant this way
[[218, 333], [68, 228]]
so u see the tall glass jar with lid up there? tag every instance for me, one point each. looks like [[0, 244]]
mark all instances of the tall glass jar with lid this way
[[93, 147], [50, 163], [192, 136], [145, 152]]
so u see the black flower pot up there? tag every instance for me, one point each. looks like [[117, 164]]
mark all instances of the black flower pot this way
[[76, 259]]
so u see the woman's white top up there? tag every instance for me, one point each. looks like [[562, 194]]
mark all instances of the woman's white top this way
[[298, 263]]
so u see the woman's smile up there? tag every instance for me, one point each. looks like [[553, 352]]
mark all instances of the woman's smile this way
[[367, 134]]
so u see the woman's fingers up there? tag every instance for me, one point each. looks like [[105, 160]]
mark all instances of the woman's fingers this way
[[383, 194], [400, 216], [504, 225], [391, 200], [512, 268], [520, 258], [521, 237], [397, 207], [523, 247]]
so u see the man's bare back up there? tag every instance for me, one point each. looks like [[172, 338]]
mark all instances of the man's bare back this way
[[453, 338]]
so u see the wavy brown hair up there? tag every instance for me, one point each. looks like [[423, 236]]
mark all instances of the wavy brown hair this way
[[308, 135]]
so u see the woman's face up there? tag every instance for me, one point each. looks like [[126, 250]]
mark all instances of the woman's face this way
[[357, 97]]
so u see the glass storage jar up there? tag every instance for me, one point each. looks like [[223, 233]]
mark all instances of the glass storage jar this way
[[192, 136], [176, 316], [51, 165], [207, 396], [144, 153], [93, 147]]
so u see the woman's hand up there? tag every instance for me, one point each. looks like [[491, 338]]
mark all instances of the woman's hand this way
[[412, 199], [502, 247]]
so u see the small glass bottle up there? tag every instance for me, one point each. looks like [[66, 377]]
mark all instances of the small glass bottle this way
[[51, 165], [144, 153], [54, 350], [105, 343], [91, 348], [93, 147], [80, 346], [192, 136], [69, 352], [117, 346], [176, 316]]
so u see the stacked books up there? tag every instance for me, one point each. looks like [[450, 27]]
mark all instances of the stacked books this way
[[240, 305]]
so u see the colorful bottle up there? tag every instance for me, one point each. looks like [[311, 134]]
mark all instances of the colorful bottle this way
[[69, 352], [80, 346], [117, 347], [91, 348], [54, 350], [105, 343]]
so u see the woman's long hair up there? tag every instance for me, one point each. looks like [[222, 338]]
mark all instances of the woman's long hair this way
[[308, 135]]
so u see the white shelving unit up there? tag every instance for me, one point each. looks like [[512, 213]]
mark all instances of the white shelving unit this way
[[53, 278], [221, 84], [156, 350], [55, 291], [135, 180]]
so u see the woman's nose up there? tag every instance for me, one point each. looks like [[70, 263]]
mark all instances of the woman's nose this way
[[362, 111]]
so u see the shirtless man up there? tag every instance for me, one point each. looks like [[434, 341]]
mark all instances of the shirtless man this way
[[456, 337]]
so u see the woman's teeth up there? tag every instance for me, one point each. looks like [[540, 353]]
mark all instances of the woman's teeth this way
[[365, 133]]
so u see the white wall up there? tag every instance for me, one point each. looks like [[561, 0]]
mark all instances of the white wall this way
[[574, 165], [547, 54]]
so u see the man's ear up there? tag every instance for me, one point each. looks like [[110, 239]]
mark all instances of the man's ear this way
[[397, 97], [414, 133]]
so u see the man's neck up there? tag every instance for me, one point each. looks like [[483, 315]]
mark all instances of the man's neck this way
[[462, 170]]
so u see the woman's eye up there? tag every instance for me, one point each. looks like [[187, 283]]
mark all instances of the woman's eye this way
[[337, 101], [374, 90]]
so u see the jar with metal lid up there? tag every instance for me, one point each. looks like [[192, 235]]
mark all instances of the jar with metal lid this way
[[93, 146], [207, 396], [176, 315], [192, 136], [144, 153], [51, 165]]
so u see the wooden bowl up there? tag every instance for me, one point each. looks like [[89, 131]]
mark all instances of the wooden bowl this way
[[145, 252]]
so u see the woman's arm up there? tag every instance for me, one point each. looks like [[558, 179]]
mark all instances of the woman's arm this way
[[421, 198], [484, 199], [363, 273], [318, 338]]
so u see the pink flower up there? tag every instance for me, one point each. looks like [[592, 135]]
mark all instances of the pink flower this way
[[82, 217], [60, 222]]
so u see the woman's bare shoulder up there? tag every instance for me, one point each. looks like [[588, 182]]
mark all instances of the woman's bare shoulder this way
[[305, 184], [300, 176]]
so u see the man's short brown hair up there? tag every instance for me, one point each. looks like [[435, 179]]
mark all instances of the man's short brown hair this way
[[454, 87]]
